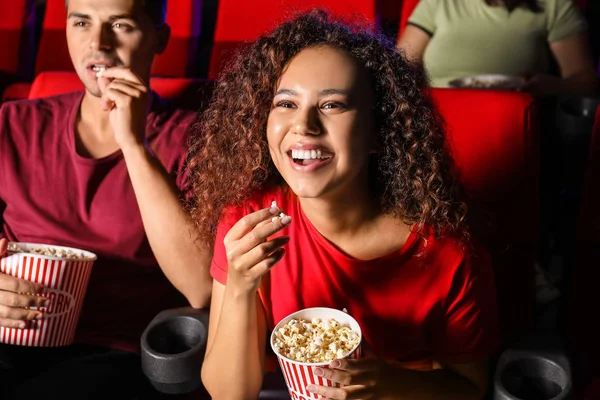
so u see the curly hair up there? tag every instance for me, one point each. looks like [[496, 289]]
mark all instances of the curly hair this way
[[229, 160]]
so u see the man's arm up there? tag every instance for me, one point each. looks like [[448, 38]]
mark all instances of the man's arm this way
[[184, 260]]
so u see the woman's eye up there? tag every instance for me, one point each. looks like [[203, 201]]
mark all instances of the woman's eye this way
[[284, 104], [333, 104]]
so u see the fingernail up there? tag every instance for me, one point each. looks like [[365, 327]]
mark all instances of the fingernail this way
[[21, 325], [274, 210], [39, 316], [335, 364], [286, 220], [46, 303], [99, 73], [319, 371], [311, 388]]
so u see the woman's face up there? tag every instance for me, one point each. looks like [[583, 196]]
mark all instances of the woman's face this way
[[320, 128]]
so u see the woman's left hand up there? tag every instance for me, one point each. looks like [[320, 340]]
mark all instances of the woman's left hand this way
[[365, 378]]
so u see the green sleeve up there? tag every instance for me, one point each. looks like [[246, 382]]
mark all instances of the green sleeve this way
[[424, 15], [564, 20]]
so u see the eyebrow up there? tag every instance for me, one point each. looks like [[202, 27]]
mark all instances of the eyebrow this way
[[111, 18], [326, 92]]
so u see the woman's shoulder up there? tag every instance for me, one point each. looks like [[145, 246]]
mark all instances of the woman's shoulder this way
[[453, 248]]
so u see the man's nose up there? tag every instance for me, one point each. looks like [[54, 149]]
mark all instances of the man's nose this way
[[102, 39]]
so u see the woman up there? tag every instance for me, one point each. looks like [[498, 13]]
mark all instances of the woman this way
[[331, 124], [458, 38]]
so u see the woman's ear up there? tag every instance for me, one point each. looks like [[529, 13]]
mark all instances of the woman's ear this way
[[163, 34]]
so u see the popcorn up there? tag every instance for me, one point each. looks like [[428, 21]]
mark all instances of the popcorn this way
[[48, 251], [314, 341], [281, 215]]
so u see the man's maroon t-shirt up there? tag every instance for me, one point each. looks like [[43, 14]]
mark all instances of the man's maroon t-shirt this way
[[50, 194]]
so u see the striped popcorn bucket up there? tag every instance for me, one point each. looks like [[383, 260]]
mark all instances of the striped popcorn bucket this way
[[66, 282], [298, 375]]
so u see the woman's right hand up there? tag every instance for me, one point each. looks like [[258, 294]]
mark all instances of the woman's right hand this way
[[16, 296], [249, 254]]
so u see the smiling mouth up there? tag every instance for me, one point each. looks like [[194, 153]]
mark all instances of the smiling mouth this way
[[308, 157]]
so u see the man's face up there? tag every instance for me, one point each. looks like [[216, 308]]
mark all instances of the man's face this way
[[110, 33]]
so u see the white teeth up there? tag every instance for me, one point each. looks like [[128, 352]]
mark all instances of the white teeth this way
[[98, 68], [307, 154]]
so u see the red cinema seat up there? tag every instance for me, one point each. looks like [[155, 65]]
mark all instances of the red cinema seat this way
[[179, 58], [584, 304], [53, 53], [187, 92], [17, 20], [388, 10], [408, 6], [239, 22], [495, 143]]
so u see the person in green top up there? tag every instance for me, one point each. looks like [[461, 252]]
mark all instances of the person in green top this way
[[459, 38]]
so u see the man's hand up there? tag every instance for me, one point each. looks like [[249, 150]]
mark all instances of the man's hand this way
[[125, 96], [16, 298]]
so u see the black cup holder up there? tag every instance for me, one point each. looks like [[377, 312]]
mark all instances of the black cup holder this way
[[175, 336], [532, 375], [534, 378], [173, 347], [575, 118]]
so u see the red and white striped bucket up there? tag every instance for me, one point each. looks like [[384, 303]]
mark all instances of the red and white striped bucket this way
[[66, 282], [298, 375]]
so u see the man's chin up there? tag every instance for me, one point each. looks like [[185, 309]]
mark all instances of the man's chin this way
[[94, 91]]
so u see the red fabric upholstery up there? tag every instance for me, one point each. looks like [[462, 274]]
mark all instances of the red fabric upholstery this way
[[16, 91], [177, 60], [179, 57], [494, 140], [17, 18], [408, 6], [388, 10], [593, 391], [53, 53], [189, 92], [244, 21], [584, 304]]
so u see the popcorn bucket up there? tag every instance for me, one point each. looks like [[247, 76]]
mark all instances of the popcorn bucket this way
[[298, 375], [66, 281]]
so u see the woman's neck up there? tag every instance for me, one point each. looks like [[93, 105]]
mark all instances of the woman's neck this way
[[341, 216], [356, 226]]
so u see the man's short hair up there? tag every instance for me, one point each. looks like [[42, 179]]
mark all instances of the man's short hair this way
[[155, 9]]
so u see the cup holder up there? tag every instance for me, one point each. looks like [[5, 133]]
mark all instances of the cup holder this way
[[575, 118], [173, 347], [175, 336], [532, 377]]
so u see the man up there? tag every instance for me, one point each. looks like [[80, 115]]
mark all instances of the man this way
[[100, 170]]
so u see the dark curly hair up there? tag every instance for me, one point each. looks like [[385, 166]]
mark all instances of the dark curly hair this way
[[229, 160]]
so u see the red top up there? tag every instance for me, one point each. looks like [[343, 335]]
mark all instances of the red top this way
[[430, 300], [52, 195]]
